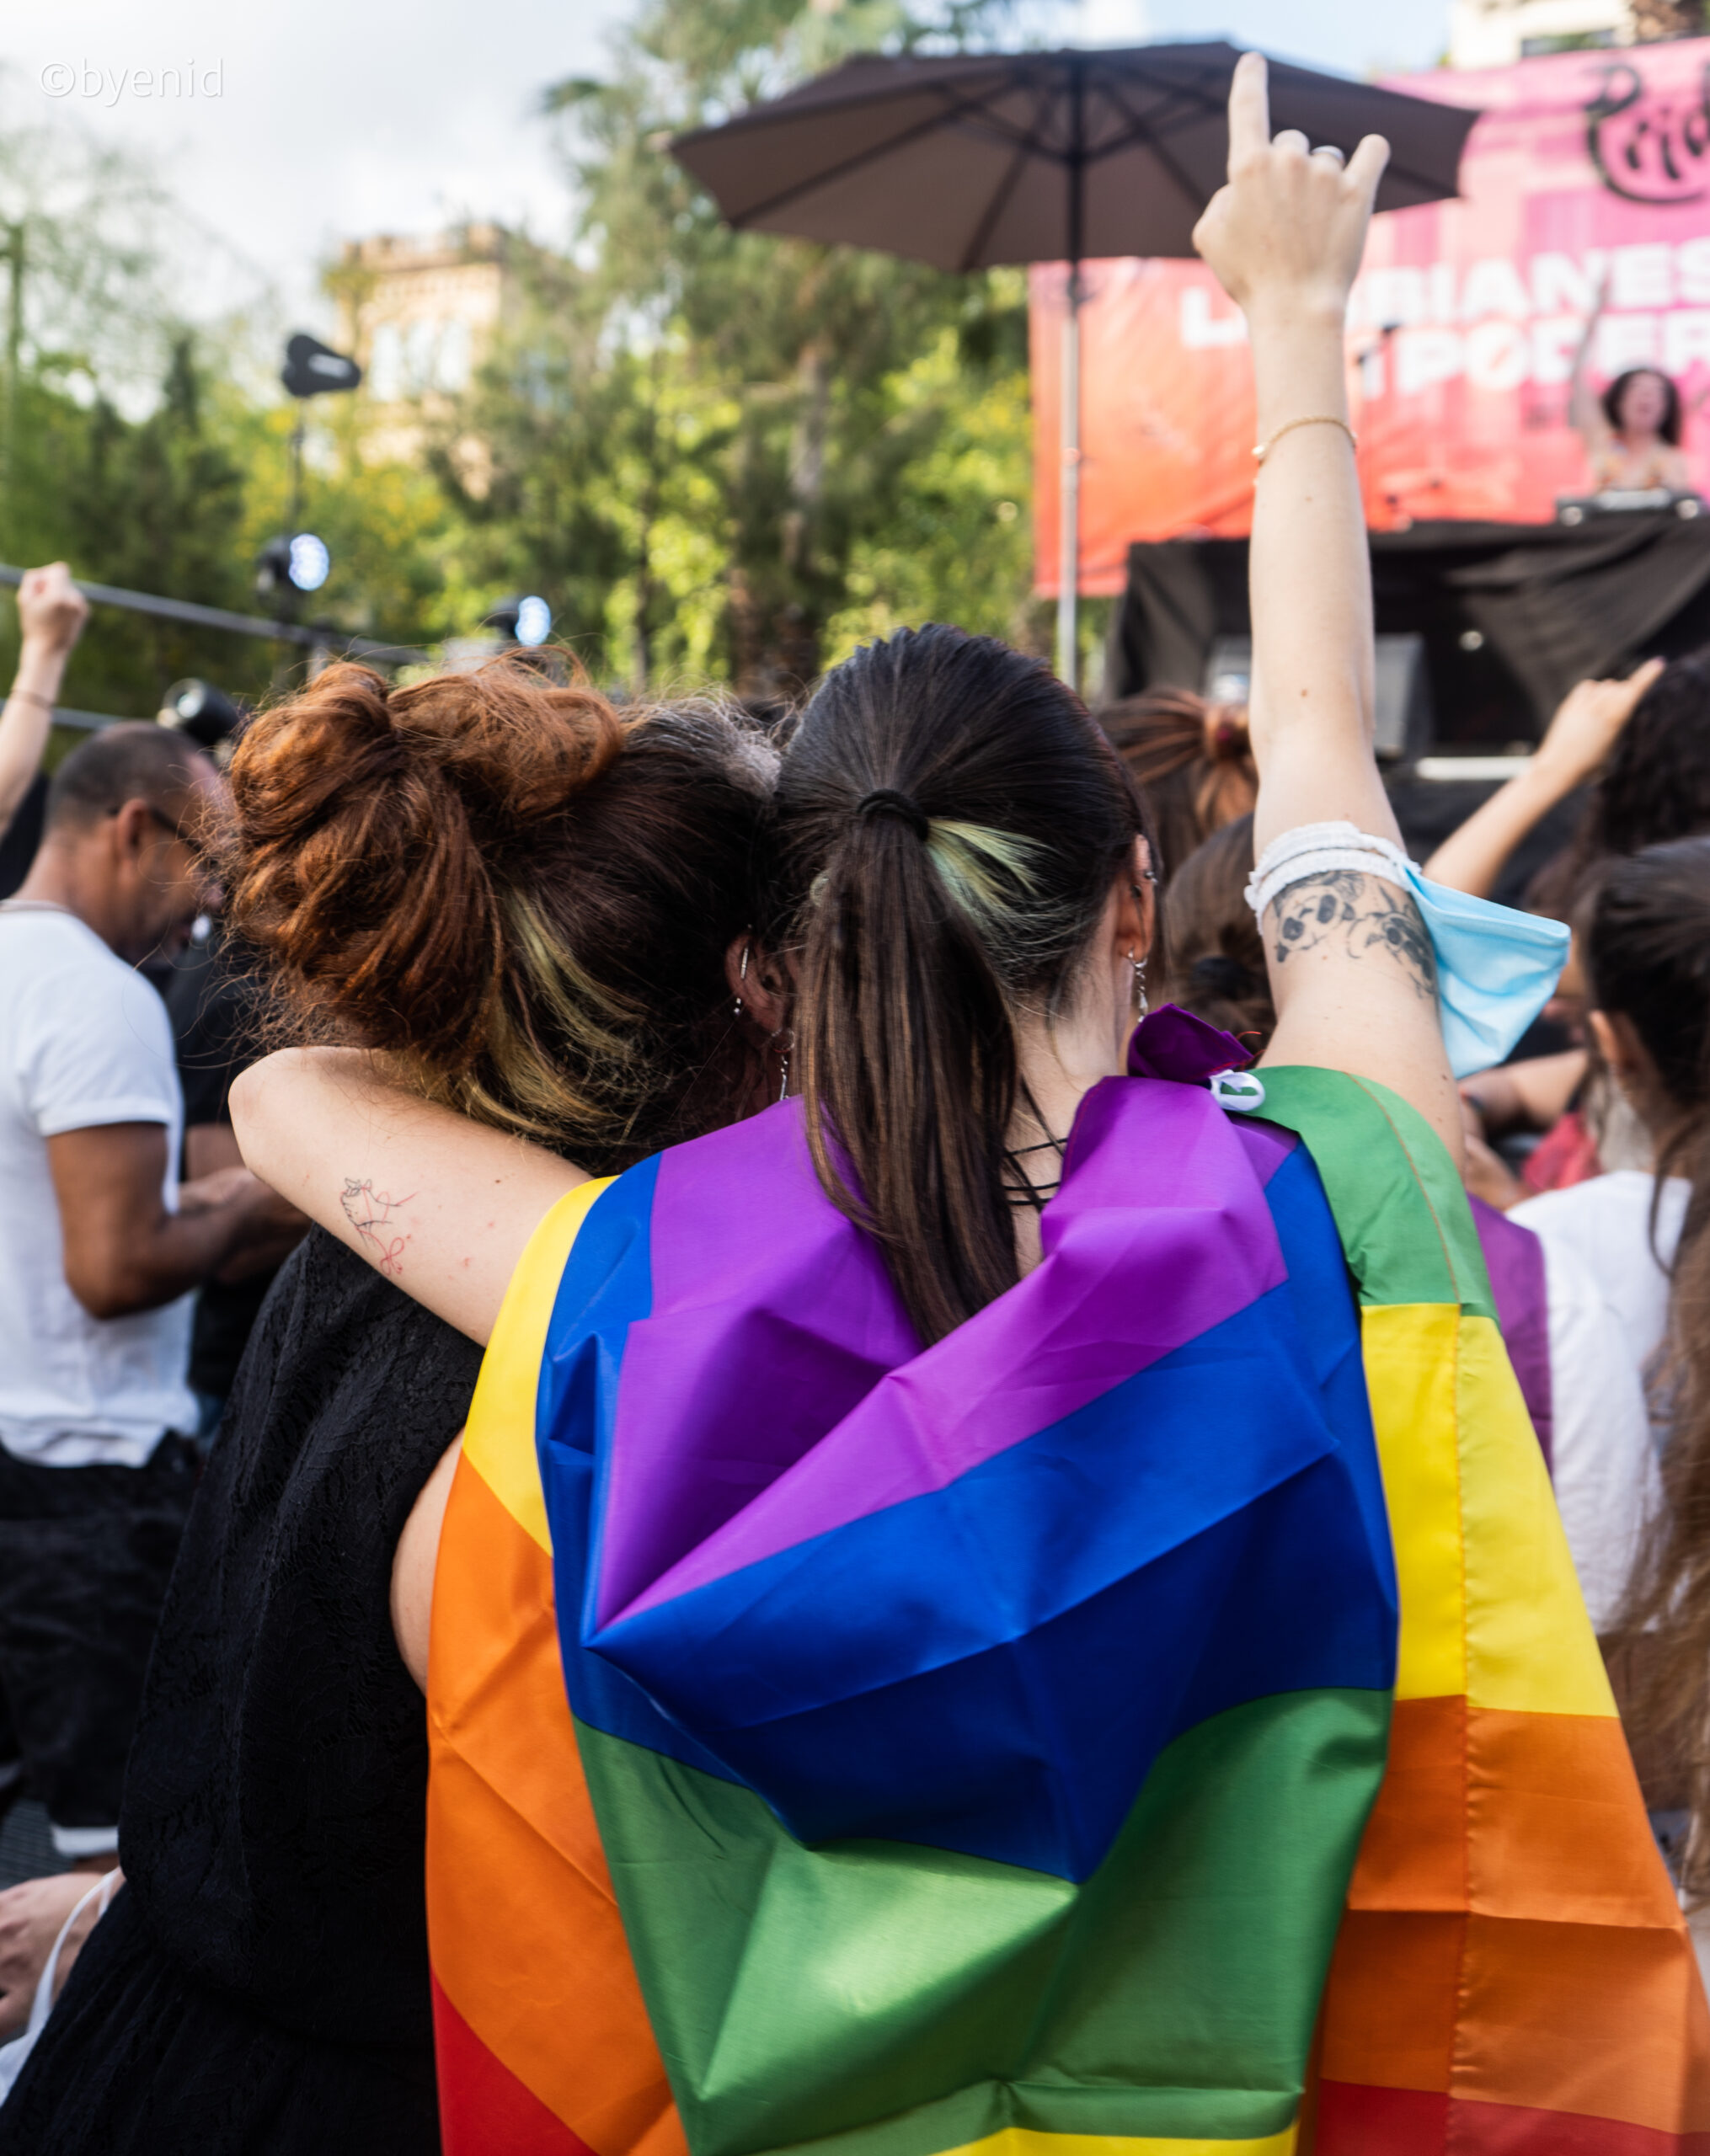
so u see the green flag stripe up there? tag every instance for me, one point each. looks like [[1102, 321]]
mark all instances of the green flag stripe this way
[[800, 1994], [1406, 1227]]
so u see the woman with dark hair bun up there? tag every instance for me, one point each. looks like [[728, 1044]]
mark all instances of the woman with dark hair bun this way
[[515, 900], [1192, 761]]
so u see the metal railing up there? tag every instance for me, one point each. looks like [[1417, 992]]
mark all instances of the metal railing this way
[[307, 636]]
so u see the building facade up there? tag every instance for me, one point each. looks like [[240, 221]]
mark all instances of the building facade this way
[[420, 315], [1496, 32]]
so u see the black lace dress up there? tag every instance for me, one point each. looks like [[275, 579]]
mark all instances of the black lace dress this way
[[260, 1985]]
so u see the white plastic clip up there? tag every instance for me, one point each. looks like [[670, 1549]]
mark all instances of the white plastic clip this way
[[1240, 1091]]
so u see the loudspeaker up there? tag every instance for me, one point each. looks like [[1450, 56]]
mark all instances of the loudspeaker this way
[[1402, 719]]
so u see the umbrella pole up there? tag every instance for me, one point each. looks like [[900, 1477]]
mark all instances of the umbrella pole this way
[[1069, 497]]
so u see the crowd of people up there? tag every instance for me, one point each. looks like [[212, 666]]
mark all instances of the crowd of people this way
[[770, 1175]]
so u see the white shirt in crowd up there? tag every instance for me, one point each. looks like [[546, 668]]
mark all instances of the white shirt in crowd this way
[[83, 1040], [1608, 1311]]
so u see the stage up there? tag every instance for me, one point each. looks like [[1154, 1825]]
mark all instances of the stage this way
[[1510, 614]]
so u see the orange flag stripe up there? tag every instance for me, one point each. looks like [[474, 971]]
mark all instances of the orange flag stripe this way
[[1543, 1830], [526, 1943], [1534, 1956]]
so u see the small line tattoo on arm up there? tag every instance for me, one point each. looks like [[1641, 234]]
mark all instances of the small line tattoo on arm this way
[[1367, 916], [370, 1212]]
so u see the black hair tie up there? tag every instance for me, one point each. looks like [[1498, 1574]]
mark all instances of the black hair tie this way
[[886, 801]]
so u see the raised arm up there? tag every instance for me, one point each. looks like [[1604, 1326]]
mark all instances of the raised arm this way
[[1586, 727], [1351, 968], [443, 1206], [51, 615]]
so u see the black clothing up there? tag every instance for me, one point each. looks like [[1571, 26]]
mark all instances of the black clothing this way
[[22, 837], [135, 2057], [273, 1829], [85, 1556], [215, 1013]]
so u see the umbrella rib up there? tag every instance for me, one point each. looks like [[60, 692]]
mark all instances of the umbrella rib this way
[[1005, 187], [1194, 193], [960, 110], [1144, 129]]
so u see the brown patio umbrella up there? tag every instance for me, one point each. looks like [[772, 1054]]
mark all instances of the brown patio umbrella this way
[[967, 160]]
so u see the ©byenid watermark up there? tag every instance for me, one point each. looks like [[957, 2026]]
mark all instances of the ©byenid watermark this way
[[176, 79]]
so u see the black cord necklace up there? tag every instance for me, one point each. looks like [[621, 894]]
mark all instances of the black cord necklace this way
[[1023, 1191]]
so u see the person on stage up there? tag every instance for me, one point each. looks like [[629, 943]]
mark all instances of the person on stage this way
[[981, 1607], [1632, 432]]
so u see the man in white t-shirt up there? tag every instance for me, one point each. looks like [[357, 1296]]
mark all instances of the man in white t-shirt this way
[[100, 1249]]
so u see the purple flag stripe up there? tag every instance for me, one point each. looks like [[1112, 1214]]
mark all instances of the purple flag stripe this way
[[833, 1438]]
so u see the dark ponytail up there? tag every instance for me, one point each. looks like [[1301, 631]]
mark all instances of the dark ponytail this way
[[949, 822]]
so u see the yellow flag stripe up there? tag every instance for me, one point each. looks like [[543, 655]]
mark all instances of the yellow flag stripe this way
[[1024, 2141], [1530, 1645], [499, 1440], [1490, 1605]]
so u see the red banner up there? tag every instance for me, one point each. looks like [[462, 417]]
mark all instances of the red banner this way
[[1588, 171]]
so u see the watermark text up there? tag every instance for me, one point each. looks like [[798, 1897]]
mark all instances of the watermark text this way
[[106, 86]]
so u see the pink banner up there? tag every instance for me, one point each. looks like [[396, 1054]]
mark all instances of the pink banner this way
[[1588, 171]]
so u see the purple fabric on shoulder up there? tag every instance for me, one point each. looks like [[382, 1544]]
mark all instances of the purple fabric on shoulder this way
[[1171, 1043], [1514, 1256], [1163, 1197]]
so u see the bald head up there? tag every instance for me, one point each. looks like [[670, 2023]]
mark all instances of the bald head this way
[[152, 764], [126, 814]]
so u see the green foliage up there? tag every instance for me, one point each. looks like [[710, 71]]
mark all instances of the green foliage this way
[[715, 454], [155, 505], [713, 446]]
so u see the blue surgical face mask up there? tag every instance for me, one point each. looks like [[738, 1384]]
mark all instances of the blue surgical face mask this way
[[1496, 969]]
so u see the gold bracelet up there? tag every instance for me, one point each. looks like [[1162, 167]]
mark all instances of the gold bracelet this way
[[1262, 449]]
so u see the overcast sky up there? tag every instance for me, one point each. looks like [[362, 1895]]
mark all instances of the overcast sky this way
[[313, 120]]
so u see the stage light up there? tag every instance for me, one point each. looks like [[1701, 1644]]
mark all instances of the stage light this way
[[207, 715], [526, 621], [272, 566], [307, 562], [312, 369]]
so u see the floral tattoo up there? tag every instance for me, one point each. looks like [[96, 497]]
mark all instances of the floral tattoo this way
[[369, 1214], [1366, 915]]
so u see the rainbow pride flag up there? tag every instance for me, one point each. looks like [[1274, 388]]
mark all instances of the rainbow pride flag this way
[[901, 1754]]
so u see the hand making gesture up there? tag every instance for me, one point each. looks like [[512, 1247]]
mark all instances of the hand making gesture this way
[[1351, 967], [1287, 232]]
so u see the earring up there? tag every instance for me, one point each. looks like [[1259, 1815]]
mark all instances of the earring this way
[[1139, 964], [742, 975], [789, 1042]]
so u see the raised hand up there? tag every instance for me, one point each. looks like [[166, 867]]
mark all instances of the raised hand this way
[[1289, 227], [51, 611], [1589, 723]]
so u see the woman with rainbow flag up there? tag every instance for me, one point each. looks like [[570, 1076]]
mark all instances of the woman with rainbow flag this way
[[1008, 1603]]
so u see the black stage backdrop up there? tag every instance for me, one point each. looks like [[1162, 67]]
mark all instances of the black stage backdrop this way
[[1551, 604]]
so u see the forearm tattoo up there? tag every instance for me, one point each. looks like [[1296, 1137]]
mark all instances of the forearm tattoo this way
[[1364, 915], [369, 1214]]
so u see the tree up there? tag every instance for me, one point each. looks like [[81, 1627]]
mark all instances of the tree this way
[[712, 445]]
